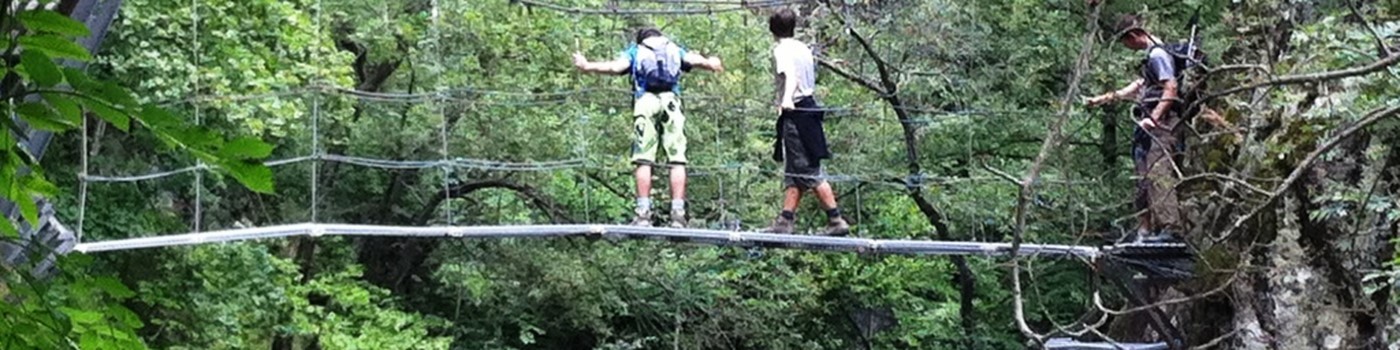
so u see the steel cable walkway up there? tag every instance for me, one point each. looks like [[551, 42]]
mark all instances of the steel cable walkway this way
[[700, 236]]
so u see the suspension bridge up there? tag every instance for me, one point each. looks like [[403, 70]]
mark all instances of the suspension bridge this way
[[53, 234]]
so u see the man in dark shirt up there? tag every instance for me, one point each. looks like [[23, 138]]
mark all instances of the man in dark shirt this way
[[1155, 140]]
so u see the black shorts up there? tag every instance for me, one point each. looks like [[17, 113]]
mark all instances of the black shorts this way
[[800, 169]]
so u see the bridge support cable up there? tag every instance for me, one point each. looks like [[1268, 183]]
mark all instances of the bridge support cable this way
[[698, 236]]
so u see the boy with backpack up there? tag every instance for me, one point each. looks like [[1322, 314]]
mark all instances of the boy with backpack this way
[[801, 142], [1161, 105], [655, 64]]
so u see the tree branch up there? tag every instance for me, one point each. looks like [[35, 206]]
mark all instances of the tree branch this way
[[887, 90], [462, 190], [1028, 183], [1312, 77], [852, 76], [1371, 118], [1381, 48]]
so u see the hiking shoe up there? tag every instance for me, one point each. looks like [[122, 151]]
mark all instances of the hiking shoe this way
[[1161, 236], [1134, 236], [678, 219], [780, 225], [837, 226], [642, 219]]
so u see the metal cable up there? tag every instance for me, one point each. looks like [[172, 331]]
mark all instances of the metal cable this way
[[699, 236]]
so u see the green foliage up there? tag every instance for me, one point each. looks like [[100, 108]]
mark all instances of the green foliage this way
[[984, 76], [75, 310]]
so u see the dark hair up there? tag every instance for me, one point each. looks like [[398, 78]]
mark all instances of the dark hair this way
[[644, 33], [783, 23]]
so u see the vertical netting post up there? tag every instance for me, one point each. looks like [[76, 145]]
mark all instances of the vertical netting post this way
[[82, 182], [315, 156], [442, 100], [581, 152], [198, 120], [316, 126], [719, 147], [446, 165]]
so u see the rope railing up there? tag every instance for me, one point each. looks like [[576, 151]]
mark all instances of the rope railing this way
[[474, 95], [895, 179]]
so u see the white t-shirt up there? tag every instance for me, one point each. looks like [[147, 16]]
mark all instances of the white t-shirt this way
[[793, 58]]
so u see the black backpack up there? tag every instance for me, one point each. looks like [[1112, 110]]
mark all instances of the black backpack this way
[[1186, 58], [1189, 62]]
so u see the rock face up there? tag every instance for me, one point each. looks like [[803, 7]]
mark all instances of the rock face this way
[[39, 244]]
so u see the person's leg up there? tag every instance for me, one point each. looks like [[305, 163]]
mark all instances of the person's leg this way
[[836, 224], [674, 141], [792, 196], [794, 180], [1161, 175], [644, 148], [1141, 199]]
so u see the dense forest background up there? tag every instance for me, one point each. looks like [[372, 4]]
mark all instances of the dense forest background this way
[[951, 120]]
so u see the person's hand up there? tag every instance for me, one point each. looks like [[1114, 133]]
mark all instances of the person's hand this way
[[716, 64], [1147, 123], [579, 60], [787, 106]]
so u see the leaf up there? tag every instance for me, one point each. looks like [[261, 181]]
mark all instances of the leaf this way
[[55, 46], [254, 176], [93, 341], [157, 118], [52, 22], [65, 106], [245, 148], [76, 77], [40, 68], [116, 117], [25, 202], [113, 93], [39, 186], [39, 116], [82, 316], [113, 287], [8, 230]]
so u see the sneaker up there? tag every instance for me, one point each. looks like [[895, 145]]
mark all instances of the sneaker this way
[[837, 226], [780, 225], [642, 219], [678, 219]]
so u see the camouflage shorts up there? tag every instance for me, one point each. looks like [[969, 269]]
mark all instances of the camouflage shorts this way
[[658, 123]]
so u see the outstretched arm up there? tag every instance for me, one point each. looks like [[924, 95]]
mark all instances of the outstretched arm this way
[[1116, 95], [711, 63], [601, 67]]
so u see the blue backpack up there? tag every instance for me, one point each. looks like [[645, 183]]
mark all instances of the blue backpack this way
[[657, 64]]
